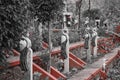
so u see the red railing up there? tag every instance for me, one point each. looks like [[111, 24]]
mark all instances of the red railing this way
[[74, 61]]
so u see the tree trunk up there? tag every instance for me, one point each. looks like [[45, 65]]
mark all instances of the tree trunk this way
[[79, 13], [50, 46], [79, 19], [89, 10]]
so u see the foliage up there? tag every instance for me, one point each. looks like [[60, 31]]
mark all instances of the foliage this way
[[36, 37], [15, 17], [14, 21], [56, 37], [45, 10], [112, 10], [92, 14]]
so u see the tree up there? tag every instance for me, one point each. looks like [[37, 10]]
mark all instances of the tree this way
[[45, 10], [13, 22], [78, 5]]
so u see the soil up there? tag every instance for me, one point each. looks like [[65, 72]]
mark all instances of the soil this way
[[13, 73]]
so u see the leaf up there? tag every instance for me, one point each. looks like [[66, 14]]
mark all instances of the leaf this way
[[13, 18]]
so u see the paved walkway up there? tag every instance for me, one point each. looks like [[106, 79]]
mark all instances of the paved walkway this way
[[91, 68]]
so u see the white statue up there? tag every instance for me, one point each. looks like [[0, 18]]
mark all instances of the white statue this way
[[26, 54], [87, 43], [65, 49], [94, 41]]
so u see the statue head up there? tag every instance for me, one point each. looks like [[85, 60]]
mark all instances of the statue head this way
[[23, 44]]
